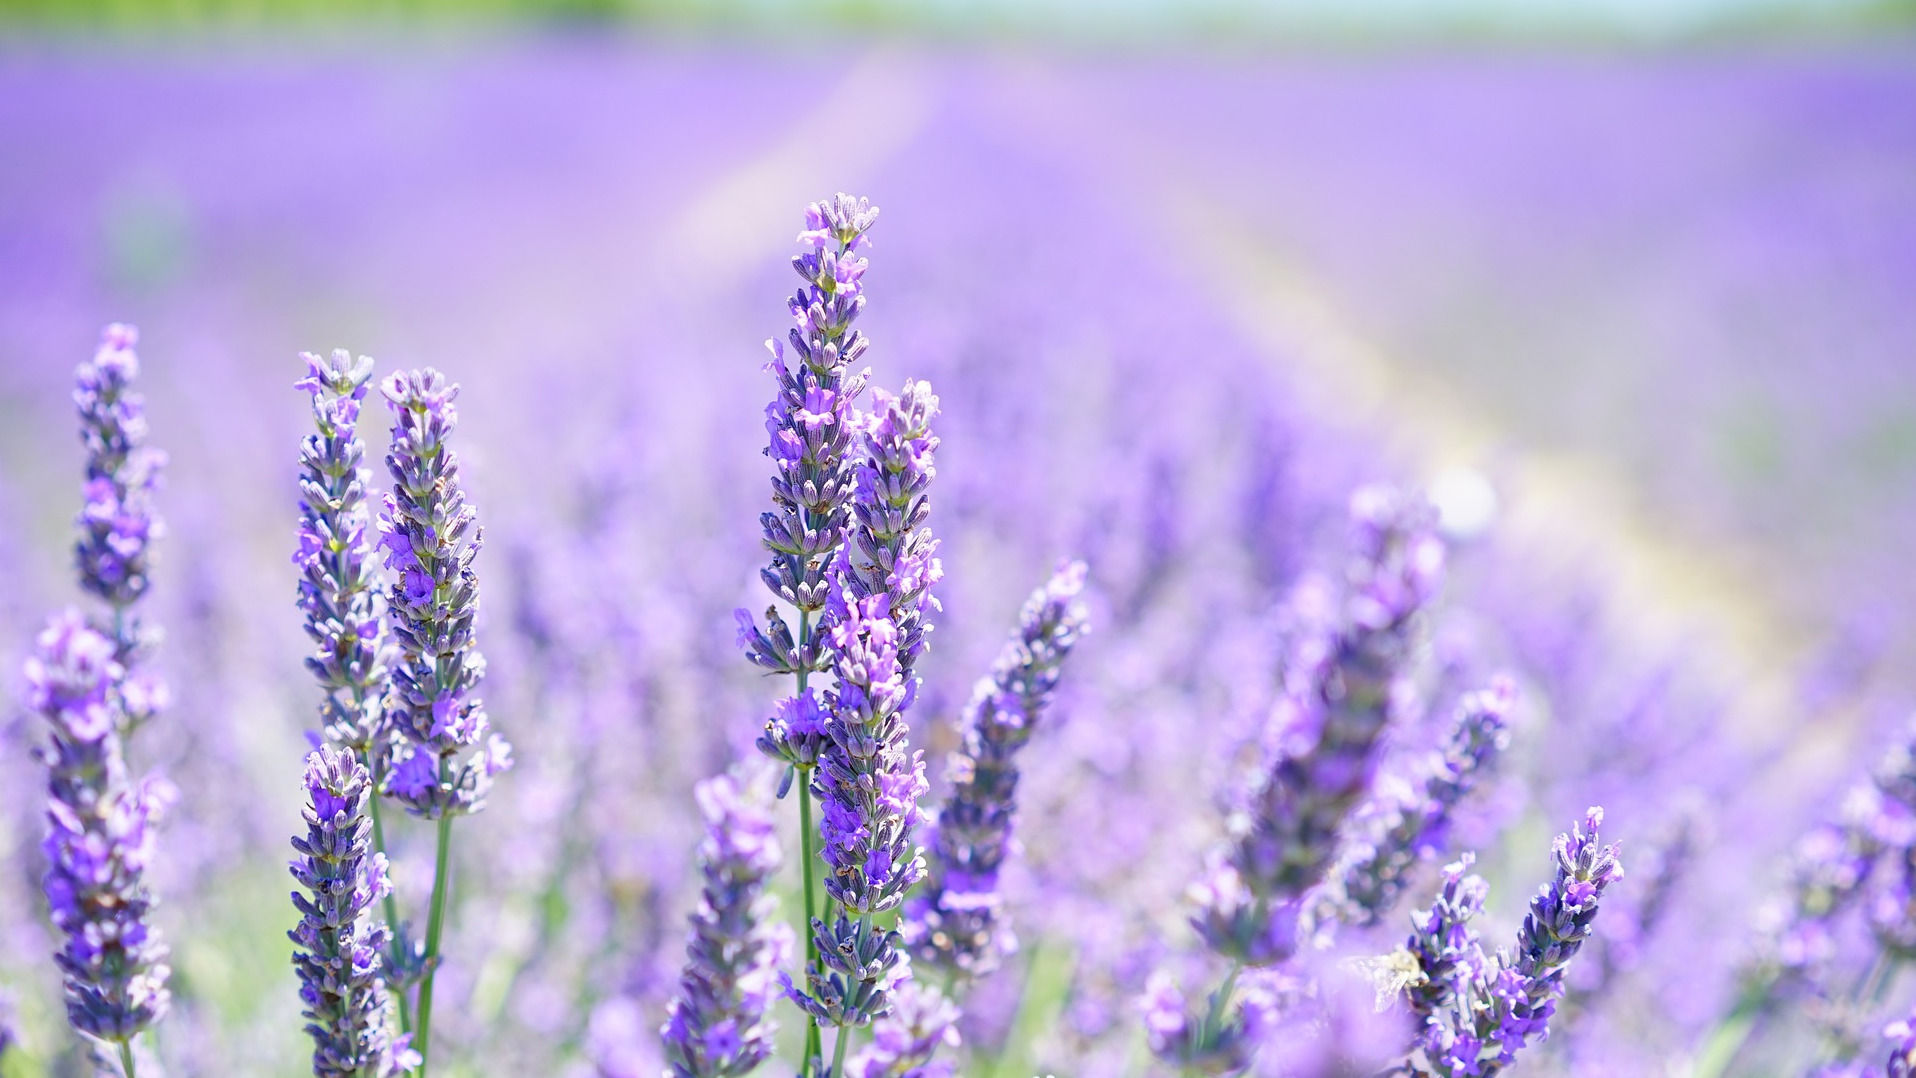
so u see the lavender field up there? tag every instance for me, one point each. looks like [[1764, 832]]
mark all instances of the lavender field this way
[[1367, 563]]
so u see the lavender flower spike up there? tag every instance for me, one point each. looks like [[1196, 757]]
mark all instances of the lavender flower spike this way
[[1227, 1046], [869, 788], [430, 539], [718, 1023], [339, 944], [335, 542], [1341, 693], [813, 430], [99, 837], [1442, 945], [954, 923], [118, 524], [892, 550], [1372, 870], [1498, 1007]]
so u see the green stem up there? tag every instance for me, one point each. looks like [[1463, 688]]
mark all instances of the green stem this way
[[126, 1057], [814, 1042], [838, 1049], [434, 922], [1731, 1034], [392, 906]]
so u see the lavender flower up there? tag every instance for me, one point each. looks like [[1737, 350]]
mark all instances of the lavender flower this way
[[892, 551], [1216, 1043], [1442, 946], [1405, 827], [1497, 1007], [954, 922], [1341, 692], [717, 1024], [433, 602], [338, 942], [905, 1040], [813, 429], [99, 837], [1902, 1056], [869, 788], [335, 540], [118, 524]]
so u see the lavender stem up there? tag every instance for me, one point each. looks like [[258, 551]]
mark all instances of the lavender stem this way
[[807, 838], [126, 1057], [434, 922]]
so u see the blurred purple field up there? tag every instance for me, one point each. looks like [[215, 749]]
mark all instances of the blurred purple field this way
[[1176, 311]]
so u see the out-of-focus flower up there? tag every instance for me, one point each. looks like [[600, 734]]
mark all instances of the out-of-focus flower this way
[[906, 1040]]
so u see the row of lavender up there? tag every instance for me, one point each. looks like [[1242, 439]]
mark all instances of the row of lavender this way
[[1316, 841]]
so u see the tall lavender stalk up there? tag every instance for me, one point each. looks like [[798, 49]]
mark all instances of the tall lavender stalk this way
[[1341, 692], [339, 944], [1479, 1012], [118, 524], [718, 1024], [337, 585], [431, 540], [811, 437], [954, 923], [99, 839]]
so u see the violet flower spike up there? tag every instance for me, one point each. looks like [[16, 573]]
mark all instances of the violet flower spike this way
[[1443, 947], [337, 586], [431, 539], [718, 1024], [891, 549], [99, 838], [955, 922], [1200, 1045], [1341, 693], [1406, 827], [118, 524], [338, 943]]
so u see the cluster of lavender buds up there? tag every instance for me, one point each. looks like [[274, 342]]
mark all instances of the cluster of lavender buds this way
[[431, 540], [868, 783], [891, 550], [1478, 1012], [907, 1038], [955, 923], [718, 1024], [1217, 1042], [336, 586], [100, 837], [1404, 824], [118, 524], [338, 943], [1342, 690]]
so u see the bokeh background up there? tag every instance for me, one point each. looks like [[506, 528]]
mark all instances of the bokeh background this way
[[1627, 285]]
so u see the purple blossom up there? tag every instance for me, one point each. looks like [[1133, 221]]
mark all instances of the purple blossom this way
[[1442, 944], [906, 1040], [1181, 1039], [338, 943], [99, 840], [955, 923], [718, 1023], [337, 586], [892, 550], [1341, 691], [430, 538], [118, 524]]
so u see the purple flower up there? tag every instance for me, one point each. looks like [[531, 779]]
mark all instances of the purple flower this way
[[1341, 692], [1180, 1039], [892, 550], [429, 533], [718, 1023], [954, 923], [336, 586], [1442, 944], [337, 942], [117, 523], [99, 837], [906, 1040]]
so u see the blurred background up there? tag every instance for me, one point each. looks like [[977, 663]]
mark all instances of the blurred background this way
[[1626, 285]]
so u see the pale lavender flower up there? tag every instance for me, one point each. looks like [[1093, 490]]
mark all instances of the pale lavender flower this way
[[430, 539], [1342, 689], [718, 1023], [1902, 1054], [891, 549], [338, 943], [118, 524], [954, 923], [906, 1040], [1442, 945], [99, 840], [1406, 825], [336, 586], [1213, 1042]]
